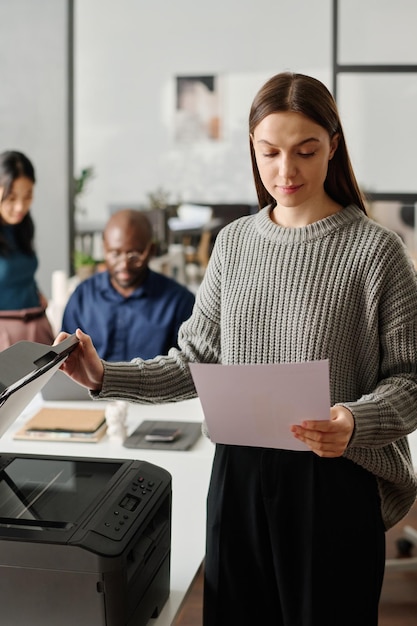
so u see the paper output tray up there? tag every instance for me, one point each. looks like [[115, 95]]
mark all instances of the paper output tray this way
[[25, 367]]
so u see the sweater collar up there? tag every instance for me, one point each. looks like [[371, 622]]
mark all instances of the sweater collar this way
[[317, 230]]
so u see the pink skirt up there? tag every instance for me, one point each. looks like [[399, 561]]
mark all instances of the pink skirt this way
[[25, 325]]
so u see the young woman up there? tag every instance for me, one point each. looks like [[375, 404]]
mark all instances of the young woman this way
[[298, 538], [22, 306]]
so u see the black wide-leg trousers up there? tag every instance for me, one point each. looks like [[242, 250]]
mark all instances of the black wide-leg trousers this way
[[292, 540]]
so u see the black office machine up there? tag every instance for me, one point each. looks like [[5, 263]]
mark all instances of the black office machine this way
[[83, 542]]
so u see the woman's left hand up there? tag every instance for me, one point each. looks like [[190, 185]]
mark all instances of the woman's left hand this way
[[327, 438]]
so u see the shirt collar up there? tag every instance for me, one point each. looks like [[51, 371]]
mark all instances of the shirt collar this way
[[145, 289]]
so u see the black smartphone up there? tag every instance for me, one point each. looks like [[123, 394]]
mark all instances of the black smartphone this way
[[163, 434]]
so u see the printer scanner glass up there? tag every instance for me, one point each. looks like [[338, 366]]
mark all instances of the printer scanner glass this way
[[52, 493]]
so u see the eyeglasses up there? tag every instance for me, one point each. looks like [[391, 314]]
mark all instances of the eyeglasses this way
[[133, 257]]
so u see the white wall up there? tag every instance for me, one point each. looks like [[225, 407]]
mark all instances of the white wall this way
[[379, 110], [34, 116], [128, 53]]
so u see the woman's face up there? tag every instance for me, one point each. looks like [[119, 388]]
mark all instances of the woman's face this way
[[292, 153], [17, 204]]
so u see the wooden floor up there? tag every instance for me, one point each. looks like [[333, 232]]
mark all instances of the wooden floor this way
[[398, 606]]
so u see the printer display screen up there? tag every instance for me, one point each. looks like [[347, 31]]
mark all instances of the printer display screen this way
[[50, 493]]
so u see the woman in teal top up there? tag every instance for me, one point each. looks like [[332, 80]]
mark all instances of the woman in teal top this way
[[22, 305]]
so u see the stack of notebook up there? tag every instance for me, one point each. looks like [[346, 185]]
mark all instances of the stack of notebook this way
[[55, 424]]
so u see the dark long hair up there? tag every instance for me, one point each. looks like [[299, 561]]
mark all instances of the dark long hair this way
[[306, 95], [14, 165]]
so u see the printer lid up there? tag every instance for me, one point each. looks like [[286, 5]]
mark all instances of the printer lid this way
[[25, 367]]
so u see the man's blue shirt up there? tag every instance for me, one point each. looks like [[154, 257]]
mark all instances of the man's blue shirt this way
[[145, 324]]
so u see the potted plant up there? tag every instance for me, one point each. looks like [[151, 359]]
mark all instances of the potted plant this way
[[80, 184], [84, 264]]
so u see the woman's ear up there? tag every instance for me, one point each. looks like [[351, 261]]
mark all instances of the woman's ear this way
[[334, 142]]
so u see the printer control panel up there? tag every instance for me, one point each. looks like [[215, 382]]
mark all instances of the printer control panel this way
[[121, 514]]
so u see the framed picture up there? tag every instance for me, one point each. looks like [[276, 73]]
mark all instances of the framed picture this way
[[197, 114]]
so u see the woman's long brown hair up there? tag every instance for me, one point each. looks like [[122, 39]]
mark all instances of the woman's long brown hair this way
[[303, 94]]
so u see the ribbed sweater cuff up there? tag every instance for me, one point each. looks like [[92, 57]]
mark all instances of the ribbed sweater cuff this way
[[366, 423]]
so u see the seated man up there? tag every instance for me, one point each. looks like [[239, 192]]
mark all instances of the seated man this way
[[128, 310]]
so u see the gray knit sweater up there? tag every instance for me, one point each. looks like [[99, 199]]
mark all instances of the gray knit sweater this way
[[342, 289]]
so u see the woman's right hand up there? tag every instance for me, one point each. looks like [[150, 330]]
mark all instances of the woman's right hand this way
[[83, 364]]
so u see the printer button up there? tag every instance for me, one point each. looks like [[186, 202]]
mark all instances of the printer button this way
[[130, 503]]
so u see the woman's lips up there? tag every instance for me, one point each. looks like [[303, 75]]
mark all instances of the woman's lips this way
[[290, 189]]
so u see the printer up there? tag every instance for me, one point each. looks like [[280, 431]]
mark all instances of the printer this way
[[83, 541]]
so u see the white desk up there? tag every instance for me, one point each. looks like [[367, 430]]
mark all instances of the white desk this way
[[190, 472]]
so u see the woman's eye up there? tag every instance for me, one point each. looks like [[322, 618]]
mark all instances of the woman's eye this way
[[306, 155], [269, 155]]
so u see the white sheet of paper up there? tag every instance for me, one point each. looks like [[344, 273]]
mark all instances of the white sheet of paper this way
[[255, 405]]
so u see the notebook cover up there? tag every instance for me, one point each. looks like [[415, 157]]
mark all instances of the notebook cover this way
[[190, 432], [55, 424]]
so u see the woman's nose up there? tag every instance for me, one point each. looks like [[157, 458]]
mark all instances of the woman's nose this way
[[19, 206], [287, 167]]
